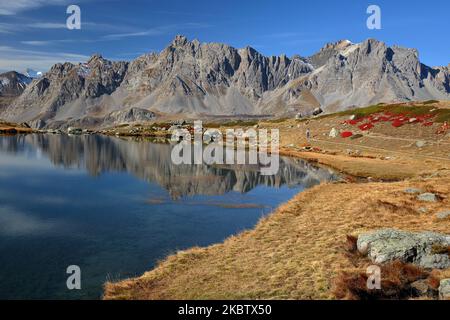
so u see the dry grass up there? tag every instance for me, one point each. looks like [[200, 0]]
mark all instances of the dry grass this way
[[295, 253], [308, 244], [396, 281]]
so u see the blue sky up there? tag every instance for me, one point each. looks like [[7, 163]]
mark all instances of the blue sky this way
[[33, 32]]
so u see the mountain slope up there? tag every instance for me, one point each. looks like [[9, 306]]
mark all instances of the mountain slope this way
[[197, 79], [12, 84]]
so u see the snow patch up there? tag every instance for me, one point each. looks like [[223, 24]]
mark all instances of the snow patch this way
[[349, 50], [4, 82]]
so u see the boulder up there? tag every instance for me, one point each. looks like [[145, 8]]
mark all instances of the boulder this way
[[418, 248], [421, 144], [444, 289], [317, 111], [443, 214], [334, 133], [427, 197], [72, 130], [412, 191]]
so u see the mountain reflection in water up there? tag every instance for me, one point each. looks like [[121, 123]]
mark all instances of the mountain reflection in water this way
[[115, 207], [151, 162]]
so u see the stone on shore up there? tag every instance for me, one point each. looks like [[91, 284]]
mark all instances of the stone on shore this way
[[444, 289], [427, 197], [418, 248]]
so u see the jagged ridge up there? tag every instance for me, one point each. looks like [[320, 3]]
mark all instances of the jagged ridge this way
[[196, 79]]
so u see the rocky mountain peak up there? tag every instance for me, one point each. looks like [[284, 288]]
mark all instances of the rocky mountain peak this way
[[179, 41], [13, 83], [338, 46], [96, 57], [192, 78]]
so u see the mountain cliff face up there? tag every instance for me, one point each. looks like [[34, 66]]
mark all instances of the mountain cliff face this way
[[12, 84], [197, 79]]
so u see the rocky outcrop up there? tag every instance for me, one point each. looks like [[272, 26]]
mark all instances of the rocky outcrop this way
[[66, 91], [427, 250], [197, 79], [130, 116], [12, 84]]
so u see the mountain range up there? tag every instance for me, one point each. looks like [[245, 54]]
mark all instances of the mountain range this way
[[193, 79]]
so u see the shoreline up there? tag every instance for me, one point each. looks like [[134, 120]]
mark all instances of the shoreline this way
[[262, 263]]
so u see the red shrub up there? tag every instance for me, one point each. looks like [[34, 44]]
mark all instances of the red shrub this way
[[346, 134], [397, 123], [366, 126]]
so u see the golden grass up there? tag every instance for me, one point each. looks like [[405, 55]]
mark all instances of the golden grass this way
[[299, 251], [295, 253]]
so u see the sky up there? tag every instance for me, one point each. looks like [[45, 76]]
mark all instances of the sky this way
[[33, 33]]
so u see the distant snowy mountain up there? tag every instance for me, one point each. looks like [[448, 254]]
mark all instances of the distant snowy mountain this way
[[12, 84], [33, 74]]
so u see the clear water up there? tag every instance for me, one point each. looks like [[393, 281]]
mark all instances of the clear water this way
[[115, 207]]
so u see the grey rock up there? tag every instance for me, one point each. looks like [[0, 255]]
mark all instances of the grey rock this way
[[388, 245], [421, 144], [72, 130], [443, 214], [412, 191], [427, 197], [334, 133], [423, 210], [444, 289]]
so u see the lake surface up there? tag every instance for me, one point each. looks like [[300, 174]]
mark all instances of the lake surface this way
[[114, 207]]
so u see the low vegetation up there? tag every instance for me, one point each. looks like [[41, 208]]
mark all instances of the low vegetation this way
[[439, 114], [306, 249]]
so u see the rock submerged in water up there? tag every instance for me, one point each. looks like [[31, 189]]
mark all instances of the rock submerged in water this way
[[420, 249]]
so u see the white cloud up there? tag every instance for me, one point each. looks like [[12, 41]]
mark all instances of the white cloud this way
[[12, 7], [156, 31], [15, 223], [18, 59], [47, 25]]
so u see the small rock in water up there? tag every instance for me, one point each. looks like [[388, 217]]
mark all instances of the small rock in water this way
[[427, 197], [444, 289], [443, 215], [412, 190]]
